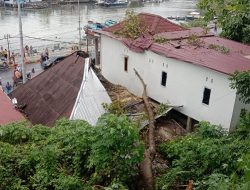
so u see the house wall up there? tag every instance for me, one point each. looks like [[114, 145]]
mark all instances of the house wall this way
[[185, 81], [238, 106]]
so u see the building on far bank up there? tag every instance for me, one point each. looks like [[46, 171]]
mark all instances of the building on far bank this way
[[183, 67]]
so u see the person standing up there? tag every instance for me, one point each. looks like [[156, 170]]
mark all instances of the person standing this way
[[5, 53], [8, 87], [13, 58], [31, 50], [1, 52]]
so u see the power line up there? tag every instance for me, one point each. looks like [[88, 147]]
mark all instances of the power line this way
[[44, 39]]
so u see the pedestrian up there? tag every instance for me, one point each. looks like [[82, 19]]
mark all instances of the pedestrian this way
[[0, 81], [8, 87], [33, 70], [42, 58], [31, 50], [27, 48], [1, 52], [47, 53], [18, 68], [5, 53], [13, 58]]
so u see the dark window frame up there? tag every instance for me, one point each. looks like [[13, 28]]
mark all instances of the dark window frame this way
[[164, 77], [206, 96], [126, 63]]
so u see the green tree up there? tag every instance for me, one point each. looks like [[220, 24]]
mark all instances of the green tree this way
[[133, 27], [241, 82], [213, 159], [72, 155], [233, 16]]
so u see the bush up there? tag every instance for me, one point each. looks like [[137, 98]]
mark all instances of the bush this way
[[72, 155], [209, 156]]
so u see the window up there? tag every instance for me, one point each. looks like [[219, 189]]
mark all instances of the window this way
[[163, 78], [126, 64], [206, 96]]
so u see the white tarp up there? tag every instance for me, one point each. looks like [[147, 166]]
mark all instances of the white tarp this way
[[92, 94]]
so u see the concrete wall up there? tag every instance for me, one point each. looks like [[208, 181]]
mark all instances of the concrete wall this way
[[237, 109], [185, 82]]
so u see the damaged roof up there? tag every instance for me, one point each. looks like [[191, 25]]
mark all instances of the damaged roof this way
[[52, 94], [155, 24], [195, 45], [91, 96], [8, 113]]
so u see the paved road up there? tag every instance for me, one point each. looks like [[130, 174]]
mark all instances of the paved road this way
[[6, 76]]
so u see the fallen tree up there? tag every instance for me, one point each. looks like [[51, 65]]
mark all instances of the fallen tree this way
[[146, 166]]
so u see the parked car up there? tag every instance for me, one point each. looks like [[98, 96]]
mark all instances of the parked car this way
[[51, 61]]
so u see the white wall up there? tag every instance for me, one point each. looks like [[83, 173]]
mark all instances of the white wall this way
[[185, 81], [238, 106]]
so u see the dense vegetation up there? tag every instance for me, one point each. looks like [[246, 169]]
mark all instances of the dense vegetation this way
[[232, 15], [241, 82], [213, 159], [72, 155]]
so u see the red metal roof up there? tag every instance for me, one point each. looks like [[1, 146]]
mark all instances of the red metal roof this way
[[52, 94], [8, 113], [177, 45], [155, 23], [203, 55], [175, 35]]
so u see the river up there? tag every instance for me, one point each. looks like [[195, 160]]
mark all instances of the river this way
[[60, 23]]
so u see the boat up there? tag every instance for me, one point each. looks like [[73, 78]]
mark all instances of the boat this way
[[100, 2], [109, 23], [193, 15], [112, 3], [117, 3]]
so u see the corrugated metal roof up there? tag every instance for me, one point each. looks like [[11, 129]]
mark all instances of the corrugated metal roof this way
[[92, 94], [8, 113], [176, 35], [52, 94], [155, 23], [206, 56], [177, 45]]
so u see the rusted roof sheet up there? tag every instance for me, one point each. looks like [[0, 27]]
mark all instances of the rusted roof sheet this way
[[52, 94], [8, 113], [155, 23], [178, 45], [175, 35], [206, 56]]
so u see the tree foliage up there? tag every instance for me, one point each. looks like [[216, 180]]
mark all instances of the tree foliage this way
[[133, 27], [72, 155], [233, 16], [241, 82], [210, 157]]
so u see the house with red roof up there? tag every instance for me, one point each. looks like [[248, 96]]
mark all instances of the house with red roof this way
[[189, 68], [8, 113]]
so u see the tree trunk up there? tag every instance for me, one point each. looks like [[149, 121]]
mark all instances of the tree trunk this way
[[146, 166]]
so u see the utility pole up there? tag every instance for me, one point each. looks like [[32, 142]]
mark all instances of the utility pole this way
[[79, 24], [21, 41], [7, 36]]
